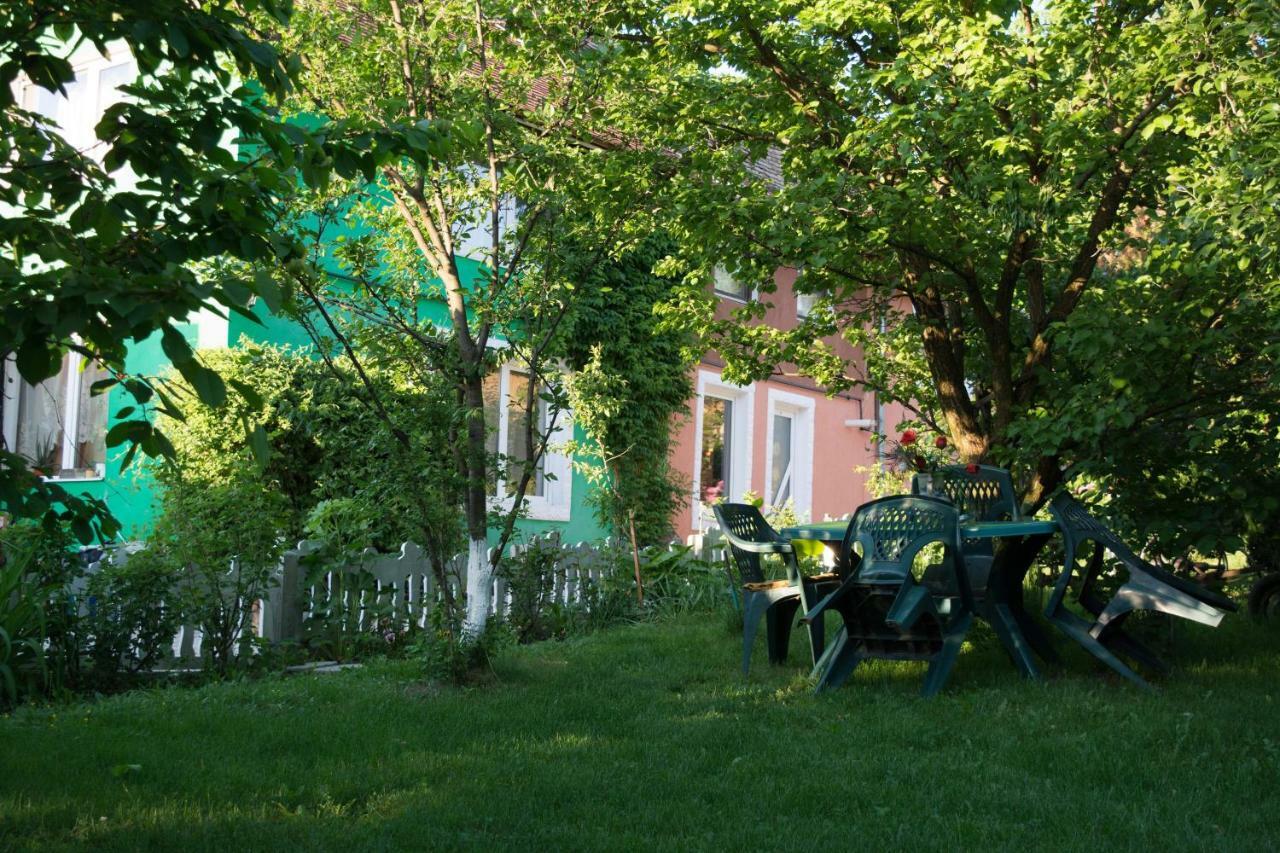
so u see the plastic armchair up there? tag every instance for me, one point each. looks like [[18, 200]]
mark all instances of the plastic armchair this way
[[775, 601], [1147, 587], [983, 494], [887, 613]]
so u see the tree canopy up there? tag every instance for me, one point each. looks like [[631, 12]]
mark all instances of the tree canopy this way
[[1065, 212]]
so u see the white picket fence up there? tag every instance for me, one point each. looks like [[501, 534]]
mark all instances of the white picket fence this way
[[399, 590]]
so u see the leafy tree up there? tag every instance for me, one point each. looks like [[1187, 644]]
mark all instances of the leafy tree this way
[[517, 92], [88, 266], [1065, 212]]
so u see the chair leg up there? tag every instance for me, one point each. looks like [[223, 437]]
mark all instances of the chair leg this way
[[1085, 638], [830, 653], [1006, 628], [780, 618], [841, 667], [1122, 642], [753, 610], [817, 639], [945, 660]]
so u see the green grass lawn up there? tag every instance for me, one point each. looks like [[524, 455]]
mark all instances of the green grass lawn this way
[[645, 737]]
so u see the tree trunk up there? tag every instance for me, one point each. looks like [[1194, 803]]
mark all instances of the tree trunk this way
[[479, 588], [479, 569]]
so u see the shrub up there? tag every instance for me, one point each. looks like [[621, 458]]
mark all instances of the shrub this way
[[223, 543], [39, 632], [530, 576], [131, 613]]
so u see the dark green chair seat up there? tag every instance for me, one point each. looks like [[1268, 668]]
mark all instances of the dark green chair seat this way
[[775, 601], [888, 614], [1147, 587]]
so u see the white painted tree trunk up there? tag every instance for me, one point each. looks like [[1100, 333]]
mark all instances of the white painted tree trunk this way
[[479, 588]]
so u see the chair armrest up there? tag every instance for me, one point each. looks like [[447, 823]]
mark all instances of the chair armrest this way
[[822, 606], [775, 547], [758, 586], [909, 605]]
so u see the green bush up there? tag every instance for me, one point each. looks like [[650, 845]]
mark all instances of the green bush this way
[[40, 640], [131, 613], [222, 542], [530, 577]]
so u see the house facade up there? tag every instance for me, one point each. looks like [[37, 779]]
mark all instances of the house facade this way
[[784, 439]]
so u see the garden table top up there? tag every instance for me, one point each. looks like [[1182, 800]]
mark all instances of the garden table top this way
[[833, 531]]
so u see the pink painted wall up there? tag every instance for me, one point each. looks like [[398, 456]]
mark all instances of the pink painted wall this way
[[837, 449]]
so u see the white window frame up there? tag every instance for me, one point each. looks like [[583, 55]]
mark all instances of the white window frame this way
[[556, 500], [88, 66], [801, 411], [741, 425], [71, 427]]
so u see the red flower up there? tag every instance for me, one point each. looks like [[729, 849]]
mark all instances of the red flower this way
[[971, 468], [908, 437], [921, 463], [940, 442]]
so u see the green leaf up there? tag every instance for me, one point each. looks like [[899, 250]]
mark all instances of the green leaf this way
[[175, 346], [37, 362], [260, 446], [207, 384], [269, 290], [133, 431], [250, 394]]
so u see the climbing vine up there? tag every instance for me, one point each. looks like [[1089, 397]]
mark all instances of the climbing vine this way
[[629, 383]]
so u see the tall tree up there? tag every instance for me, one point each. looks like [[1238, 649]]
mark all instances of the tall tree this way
[[514, 92], [1021, 174]]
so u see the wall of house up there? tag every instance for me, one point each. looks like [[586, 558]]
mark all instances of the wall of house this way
[[827, 449]]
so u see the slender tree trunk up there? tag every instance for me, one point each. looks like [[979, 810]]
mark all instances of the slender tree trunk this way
[[479, 568]]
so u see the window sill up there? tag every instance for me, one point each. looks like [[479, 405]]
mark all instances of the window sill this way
[[88, 478], [537, 509]]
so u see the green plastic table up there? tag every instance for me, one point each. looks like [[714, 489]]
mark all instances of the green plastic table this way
[[1000, 601]]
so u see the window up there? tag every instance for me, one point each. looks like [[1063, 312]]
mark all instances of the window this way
[[782, 460], [789, 450], [722, 464], [95, 88], [507, 416], [58, 426], [514, 422], [474, 219], [805, 303], [714, 476], [727, 285]]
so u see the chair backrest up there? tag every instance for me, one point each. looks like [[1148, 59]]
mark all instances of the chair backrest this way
[[891, 531], [983, 494], [743, 524], [1079, 526]]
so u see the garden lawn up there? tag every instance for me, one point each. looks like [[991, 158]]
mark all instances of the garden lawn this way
[[645, 737]]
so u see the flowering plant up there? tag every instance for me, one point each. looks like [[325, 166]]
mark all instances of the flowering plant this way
[[911, 453]]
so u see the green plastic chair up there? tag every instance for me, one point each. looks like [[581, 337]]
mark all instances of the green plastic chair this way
[[983, 495], [886, 612], [1148, 587], [750, 537]]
